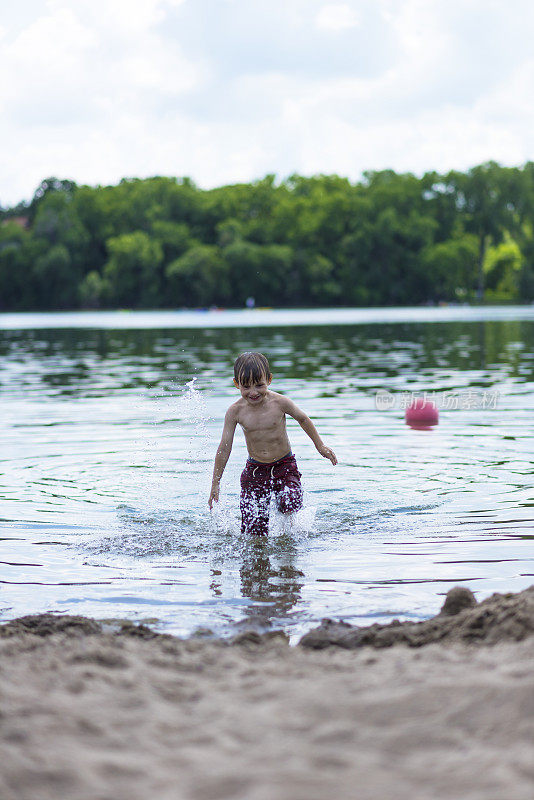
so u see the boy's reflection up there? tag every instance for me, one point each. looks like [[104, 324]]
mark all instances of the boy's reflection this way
[[274, 589]]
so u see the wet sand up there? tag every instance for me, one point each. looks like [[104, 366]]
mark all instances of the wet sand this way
[[439, 709]]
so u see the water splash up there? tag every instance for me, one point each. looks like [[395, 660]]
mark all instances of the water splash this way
[[225, 518], [300, 524], [192, 407]]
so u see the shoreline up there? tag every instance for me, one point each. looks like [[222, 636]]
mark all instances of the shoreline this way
[[441, 708], [177, 318]]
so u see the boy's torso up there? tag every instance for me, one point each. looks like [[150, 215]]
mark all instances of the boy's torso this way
[[264, 427]]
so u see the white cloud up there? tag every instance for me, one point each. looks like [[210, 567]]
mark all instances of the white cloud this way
[[71, 66], [336, 17], [227, 90]]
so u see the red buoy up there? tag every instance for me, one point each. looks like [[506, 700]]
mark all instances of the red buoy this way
[[421, 414]]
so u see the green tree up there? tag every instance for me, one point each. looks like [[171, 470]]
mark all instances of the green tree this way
[[174, 238], [391, 238], [133, 270], [16, 279], [94, 290], [502, 268], [260, 271], [244, 268], [277, 282], [484, 205], [55, 280], [198, 278], [57, 223], [47, 188], [230, 231], [451, 268], [323, 288], [382, 261]]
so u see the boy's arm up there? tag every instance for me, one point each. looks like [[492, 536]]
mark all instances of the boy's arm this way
[[308, 427], [223, 454]]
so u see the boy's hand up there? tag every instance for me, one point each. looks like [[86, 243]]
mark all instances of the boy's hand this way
[[326, 452], [214, 496]]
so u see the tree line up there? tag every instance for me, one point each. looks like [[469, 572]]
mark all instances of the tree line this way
[[389, 239]]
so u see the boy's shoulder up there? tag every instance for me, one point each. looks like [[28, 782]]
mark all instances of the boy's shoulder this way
[[281, 399], [276, 397], [234, 407]]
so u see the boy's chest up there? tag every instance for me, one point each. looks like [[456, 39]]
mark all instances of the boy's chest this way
[[262, 420]]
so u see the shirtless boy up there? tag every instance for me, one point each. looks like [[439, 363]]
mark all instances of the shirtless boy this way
[[271, 466]]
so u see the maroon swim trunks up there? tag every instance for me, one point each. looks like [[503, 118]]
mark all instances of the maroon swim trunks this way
[[258, 482]]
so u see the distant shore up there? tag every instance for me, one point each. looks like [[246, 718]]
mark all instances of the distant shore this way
[[437, 709], [258, 318]]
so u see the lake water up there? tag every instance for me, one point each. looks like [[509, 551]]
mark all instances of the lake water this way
[[109, 423]]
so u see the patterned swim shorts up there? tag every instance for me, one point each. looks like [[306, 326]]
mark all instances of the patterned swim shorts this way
[[258, 482]]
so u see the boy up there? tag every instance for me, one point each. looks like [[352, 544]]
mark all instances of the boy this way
[[271, 466]]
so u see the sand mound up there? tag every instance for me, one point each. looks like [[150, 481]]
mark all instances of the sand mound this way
[[508, 617], [48, 624], [461, 619]]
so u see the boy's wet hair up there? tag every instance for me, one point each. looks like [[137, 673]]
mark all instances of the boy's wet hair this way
[[250, 368]]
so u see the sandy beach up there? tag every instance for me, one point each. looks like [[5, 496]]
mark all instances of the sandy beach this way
[[439, 709]]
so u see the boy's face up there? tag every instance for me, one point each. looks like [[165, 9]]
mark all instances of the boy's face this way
[[255, 393]]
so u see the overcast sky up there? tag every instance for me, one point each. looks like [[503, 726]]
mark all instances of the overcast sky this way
[[229, 90]]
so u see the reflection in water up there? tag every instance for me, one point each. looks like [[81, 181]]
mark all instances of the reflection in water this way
[[439, 355], [274, 590], [107, 456]]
